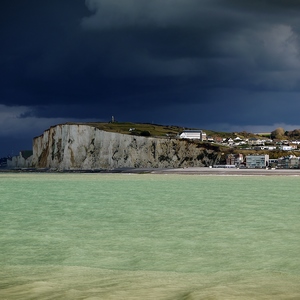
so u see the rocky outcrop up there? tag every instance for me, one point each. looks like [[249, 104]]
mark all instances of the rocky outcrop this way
[[69, 147], [23, 160]]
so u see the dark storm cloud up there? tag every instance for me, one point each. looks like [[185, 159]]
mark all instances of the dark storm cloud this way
[[142, 59], [201, 29]]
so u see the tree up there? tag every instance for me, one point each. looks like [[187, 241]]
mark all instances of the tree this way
[[145, 133], [294, 134], [278, 133]]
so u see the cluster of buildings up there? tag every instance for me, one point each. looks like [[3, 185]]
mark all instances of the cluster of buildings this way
[[253, 143], [262, 161], [251, 161]]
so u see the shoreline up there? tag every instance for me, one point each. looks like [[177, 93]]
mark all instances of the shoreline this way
[[181, 171], [232, 172]]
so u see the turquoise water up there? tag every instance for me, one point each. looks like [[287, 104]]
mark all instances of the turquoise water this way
[[116, 236]]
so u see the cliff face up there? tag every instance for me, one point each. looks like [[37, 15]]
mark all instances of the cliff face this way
[[19, 161], [67, 147]]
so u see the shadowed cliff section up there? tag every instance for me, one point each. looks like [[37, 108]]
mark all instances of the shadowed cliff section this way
[[86, 147]]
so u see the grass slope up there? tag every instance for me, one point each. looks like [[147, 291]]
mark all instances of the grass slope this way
[[136, 128]]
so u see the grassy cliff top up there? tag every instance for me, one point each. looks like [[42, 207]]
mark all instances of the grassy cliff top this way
[[158, 130], [136, 128], [145, 129]]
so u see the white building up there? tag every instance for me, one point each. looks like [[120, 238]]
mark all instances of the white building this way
[[268, 147], [288, 162], [255, 141], [288, 147], [234, 159], [193, 134], [285, 148], [257, 161]]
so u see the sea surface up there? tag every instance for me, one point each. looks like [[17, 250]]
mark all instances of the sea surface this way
[[145, 236]]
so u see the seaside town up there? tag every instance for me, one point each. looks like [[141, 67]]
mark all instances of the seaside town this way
[[254, 160]]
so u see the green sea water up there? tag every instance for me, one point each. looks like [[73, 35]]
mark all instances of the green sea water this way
[[117, 236]]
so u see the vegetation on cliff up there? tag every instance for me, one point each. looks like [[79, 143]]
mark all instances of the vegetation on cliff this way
[[147, 129], [281, 134], [139, 129]]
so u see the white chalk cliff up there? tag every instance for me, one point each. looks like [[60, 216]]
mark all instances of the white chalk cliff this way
[[19, 161], [84, 147]]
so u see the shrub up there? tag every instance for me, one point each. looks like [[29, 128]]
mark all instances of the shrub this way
[[145, 133]]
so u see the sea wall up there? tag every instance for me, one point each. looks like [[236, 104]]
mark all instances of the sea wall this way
[[69, 147]]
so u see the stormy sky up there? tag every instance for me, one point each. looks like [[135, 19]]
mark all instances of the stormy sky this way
[[226, 65]]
